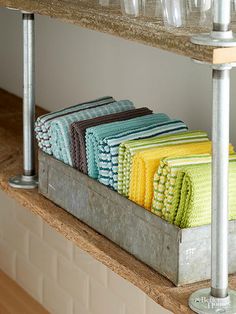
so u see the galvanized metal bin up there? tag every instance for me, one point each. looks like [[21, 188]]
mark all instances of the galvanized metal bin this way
[[181, 255]]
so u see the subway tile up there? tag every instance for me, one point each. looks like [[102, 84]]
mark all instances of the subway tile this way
[[43, 256], [131, 295], [8, 206], [7, 259], [129, 309], [57, 241], [153, 308], [80, 309], [55, 299], [15, 235], [29, 277], [73, 280], [103, 301], [91, 266], [30, 220]]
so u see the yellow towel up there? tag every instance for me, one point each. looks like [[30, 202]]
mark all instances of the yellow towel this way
[[146, 163]]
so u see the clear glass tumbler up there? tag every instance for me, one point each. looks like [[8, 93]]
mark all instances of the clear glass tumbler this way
[[131, 7], [199, 13], [174, 13], [233, 13], [152, 8], [107, 3]]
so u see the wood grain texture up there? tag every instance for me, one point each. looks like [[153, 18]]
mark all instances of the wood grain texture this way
[[109, 20], [154, 285], [14, 300]]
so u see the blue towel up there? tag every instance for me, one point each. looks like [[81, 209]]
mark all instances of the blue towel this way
[[96, 137]]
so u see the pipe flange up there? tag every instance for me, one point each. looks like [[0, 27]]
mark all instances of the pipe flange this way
[[220, 66], [24, 182], [215, 39], [202, 302]]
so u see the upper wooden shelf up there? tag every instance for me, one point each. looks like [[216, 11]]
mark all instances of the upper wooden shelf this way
[[89, 14]]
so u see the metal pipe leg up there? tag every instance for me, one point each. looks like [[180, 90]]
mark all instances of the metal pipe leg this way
[[220, 156], [218, 299], [28, 180]]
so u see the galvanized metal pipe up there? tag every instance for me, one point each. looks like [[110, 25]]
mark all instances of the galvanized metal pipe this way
[[218, 299], [29, 179], [29, 94], [221, 15], [220, 156]]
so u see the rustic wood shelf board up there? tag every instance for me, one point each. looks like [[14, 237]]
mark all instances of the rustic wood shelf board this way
[[88, 14], [154, 285]]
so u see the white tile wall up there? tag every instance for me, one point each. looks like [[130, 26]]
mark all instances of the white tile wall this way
[[29, 277], [55, 299], [62, 277], [43, 256]]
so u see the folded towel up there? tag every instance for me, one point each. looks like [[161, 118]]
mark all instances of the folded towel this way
[[164, 184], [60, 139], [129, 148], [96, 137], [78, 131], [146, 163], [193, 191], [108, 156], [43, 123]]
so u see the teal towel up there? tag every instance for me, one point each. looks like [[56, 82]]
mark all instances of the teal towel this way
[[96, 137], [109, 150]]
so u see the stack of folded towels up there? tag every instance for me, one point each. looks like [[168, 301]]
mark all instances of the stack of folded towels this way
[[149, 158]]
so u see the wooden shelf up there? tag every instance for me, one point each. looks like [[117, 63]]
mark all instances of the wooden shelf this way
[[88, 14], [154, 285]]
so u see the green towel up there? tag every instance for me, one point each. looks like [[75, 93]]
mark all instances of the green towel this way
[[187, 182], [128, 149], [165, 182]]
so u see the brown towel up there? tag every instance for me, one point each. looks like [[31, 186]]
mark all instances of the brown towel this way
[[78, 129]]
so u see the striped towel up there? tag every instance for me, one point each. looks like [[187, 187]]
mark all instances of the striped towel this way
[[146, 163], [59, 130], [192, 193], [129, 148], [108, 156], [78, 131], [163, 203], [97, 136], [43, 123]]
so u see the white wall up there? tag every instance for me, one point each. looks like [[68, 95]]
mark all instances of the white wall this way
[[57, 273], [75, 64]]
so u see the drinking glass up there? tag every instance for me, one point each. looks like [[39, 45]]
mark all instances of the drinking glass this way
[[174, 13], [131, 7], [233, 11], [107, 3], [199, 13], [152, 8]]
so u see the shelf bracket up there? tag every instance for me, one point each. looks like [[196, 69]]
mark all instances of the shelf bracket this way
[[28, 180], [218, 298]]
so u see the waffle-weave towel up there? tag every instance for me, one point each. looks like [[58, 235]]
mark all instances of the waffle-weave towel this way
[[96, 137], [164, 203], [194, 193], [43, 123], [146, 163], [129, 148], [78, 130], [108, 155]]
